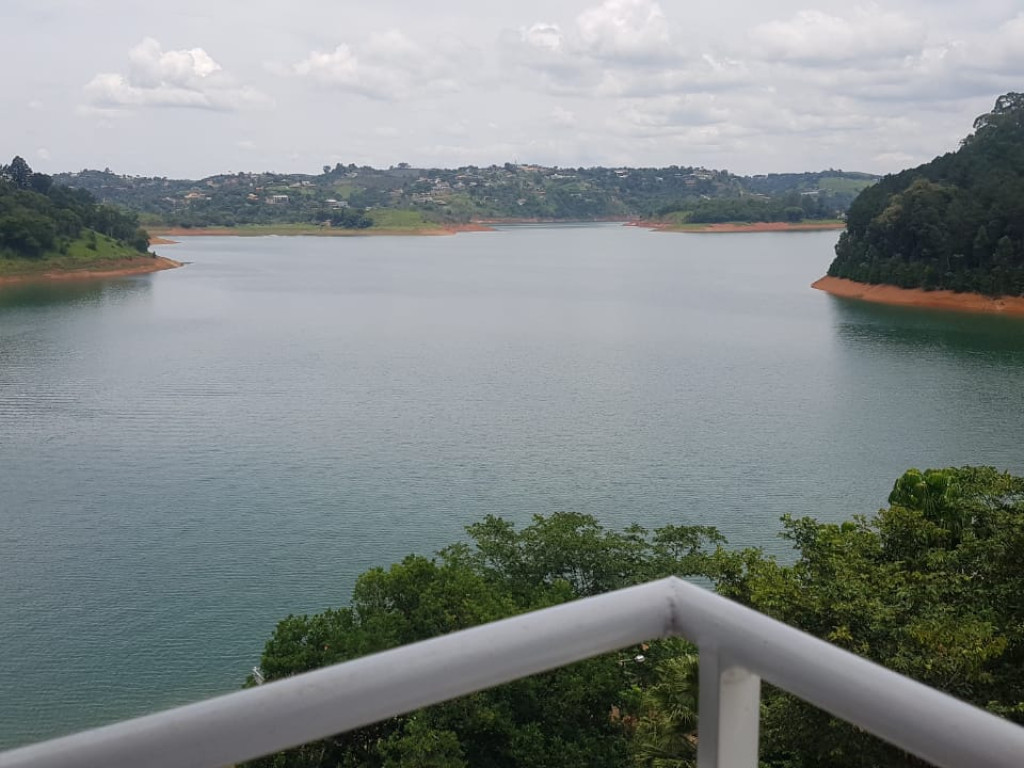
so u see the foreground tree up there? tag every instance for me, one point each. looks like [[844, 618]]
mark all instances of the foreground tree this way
[[931, 587], [578, 715]]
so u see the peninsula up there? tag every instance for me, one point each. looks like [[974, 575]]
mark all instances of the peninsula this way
[[946, 234], [51, 232]]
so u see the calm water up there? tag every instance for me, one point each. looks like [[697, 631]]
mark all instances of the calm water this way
[[186, 458]]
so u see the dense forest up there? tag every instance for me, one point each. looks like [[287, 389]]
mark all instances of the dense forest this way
[[956, 222], [356, 197], [789, 207], [930, 587], [40, 219]]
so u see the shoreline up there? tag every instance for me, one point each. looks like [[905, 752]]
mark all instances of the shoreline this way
[[121, 268], [920, 298], [161, 235], [736, 226]]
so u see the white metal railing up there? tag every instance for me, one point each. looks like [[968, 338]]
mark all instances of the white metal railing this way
[[738, 647]]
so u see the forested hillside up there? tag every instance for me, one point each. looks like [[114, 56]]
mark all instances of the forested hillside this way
[[956, 222], [40, 220], [930, 587], [358, 197]]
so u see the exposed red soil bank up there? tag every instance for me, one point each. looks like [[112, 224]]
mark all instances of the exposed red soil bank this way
[[915, 297], [116, 269]]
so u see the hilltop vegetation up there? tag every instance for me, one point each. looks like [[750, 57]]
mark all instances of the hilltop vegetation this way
[[930, 587], [956, 222], [354, 197], [45, 224]]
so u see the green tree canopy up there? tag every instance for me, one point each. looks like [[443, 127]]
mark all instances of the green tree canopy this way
[[931, 587], [569, 717], [956, 222], [38, 218]]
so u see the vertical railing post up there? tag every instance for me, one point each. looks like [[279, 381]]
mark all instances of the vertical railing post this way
[[729, 715]]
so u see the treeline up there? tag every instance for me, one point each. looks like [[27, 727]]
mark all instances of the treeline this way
[[237, 207], [461, 194], [929, 587], [791, 207], [39, 218], [955, 223]]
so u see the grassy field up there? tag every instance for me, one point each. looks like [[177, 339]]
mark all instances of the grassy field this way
[[80, 256], [841, 184], [395, 219]]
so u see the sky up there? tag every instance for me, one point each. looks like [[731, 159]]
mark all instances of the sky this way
[[190, 88]]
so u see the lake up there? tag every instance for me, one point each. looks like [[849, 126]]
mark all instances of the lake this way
[[188, 457]]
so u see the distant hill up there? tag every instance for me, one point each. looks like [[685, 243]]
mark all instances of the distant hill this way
[[353, 197], [45, 222], [956, 222]]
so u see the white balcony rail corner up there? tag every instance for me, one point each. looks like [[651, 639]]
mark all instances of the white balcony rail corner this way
[[738, 648]]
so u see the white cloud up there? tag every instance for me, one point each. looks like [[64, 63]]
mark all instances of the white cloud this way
[[737, 84], [388, 67], [705, 74], [563, 118], [672, 114], [627, 29], [43, 153], [151, 66], [181, 78], [604, 44], [865, 35], [544, 36], [1005, 52]]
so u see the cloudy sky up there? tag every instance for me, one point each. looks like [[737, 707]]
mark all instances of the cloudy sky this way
[[189, 88]]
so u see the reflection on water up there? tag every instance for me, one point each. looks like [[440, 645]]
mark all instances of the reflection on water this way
[[863, 322], [76, 292]]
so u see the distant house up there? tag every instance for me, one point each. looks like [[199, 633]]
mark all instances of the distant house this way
[[277, 199]]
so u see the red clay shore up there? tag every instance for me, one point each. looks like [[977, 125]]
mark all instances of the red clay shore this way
[[117, 269], [756, 226], [916, 297]]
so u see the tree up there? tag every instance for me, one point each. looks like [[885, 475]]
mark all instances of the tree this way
[[561, 719], [27, 233], [1008, 109], [19, 172], [930, 587], [960, 204], [39, 218], [666, 732]]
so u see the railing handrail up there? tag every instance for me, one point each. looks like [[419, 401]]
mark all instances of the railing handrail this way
[[742, 644]]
